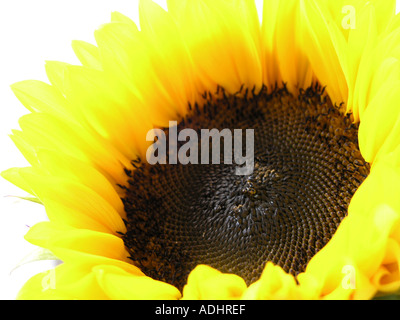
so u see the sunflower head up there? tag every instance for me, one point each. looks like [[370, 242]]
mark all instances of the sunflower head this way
[[306, 99]]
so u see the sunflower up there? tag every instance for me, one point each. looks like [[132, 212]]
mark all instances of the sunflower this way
[[319, 216]]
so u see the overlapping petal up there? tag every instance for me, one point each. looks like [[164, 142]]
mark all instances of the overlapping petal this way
[[339, 51], [91, 121], [231, 60]]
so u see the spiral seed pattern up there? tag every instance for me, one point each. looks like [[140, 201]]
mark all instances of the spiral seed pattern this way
[[307, 168]]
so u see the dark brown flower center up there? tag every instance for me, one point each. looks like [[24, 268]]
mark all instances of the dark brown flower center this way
[[307, 166]]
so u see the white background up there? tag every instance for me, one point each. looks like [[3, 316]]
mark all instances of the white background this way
[[30, 33]]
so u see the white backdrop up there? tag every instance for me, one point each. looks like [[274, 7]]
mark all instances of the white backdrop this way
[[32, 32]]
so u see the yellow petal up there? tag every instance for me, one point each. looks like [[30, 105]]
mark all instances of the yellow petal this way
[[119, 284], [74, 204], [276, 284], [76, 141], [223, 45], [206, 283], [342, 35], [62, 283], [119, 17], [387, 278], [55, 71], [26, 149], [39, 96], [14, 176], [284, 60], [322, 51], [68, 167], [87, 53], [380, 127], [120, 50], [109, 110], [83, 247], [170, 59]]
